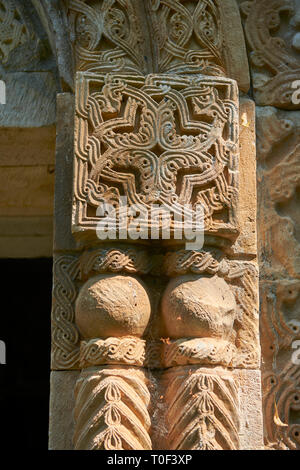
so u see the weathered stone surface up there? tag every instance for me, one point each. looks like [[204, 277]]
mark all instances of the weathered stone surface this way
[[27, 147], [64, 334], [117, 259], [192, 37], [246, 385], [234, 45], [30, 100], [63, 239], [119, 46], [192, 387], [278, 187], [242, 350], [23, 42], [271, 29], [251, 429], [278, 192], [280, 338], [194, 306], [125, 350], [246, 242], [242, 277], [281, 396], [62, 401], [201, 409], [53, 16], [26, 191], [280, 320], [112, 305]]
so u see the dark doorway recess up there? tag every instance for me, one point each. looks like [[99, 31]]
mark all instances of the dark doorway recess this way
[[25, 327]]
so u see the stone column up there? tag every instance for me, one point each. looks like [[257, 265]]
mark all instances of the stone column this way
[[160, 332]]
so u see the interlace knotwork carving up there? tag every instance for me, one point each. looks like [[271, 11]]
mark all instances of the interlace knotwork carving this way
[[102, 260], [13, 30], [65, 336], [275, 62], [162, 140], [107, 36], [204, 351], [123, 351], [188, 36]]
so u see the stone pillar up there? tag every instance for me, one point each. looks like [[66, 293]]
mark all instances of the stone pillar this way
[[273, 38], [160, 332]]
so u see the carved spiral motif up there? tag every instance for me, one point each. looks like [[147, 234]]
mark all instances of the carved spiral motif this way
[[128, 260], [131, 351], [204, 351]]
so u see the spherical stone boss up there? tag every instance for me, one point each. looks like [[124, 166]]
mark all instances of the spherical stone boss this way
[[198, 307], [112, 305]]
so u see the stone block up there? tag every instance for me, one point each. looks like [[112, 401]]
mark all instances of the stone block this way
[[26, 191], [61, 427]]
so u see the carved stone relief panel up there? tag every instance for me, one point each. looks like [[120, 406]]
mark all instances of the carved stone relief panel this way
[[23, 43], [111, 411], [210, 319], [28, 86], [272, 29], [162, 139], [278, 188], [94, 275], [69, 271], [278, 146], [13, 31], [108, 36], [203, 409], [161, 334], [281, 396], [65, 335], [161, 36], [191, 37]]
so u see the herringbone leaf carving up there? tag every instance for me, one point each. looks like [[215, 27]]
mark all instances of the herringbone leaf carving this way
[[202, 411], [111, 410]]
